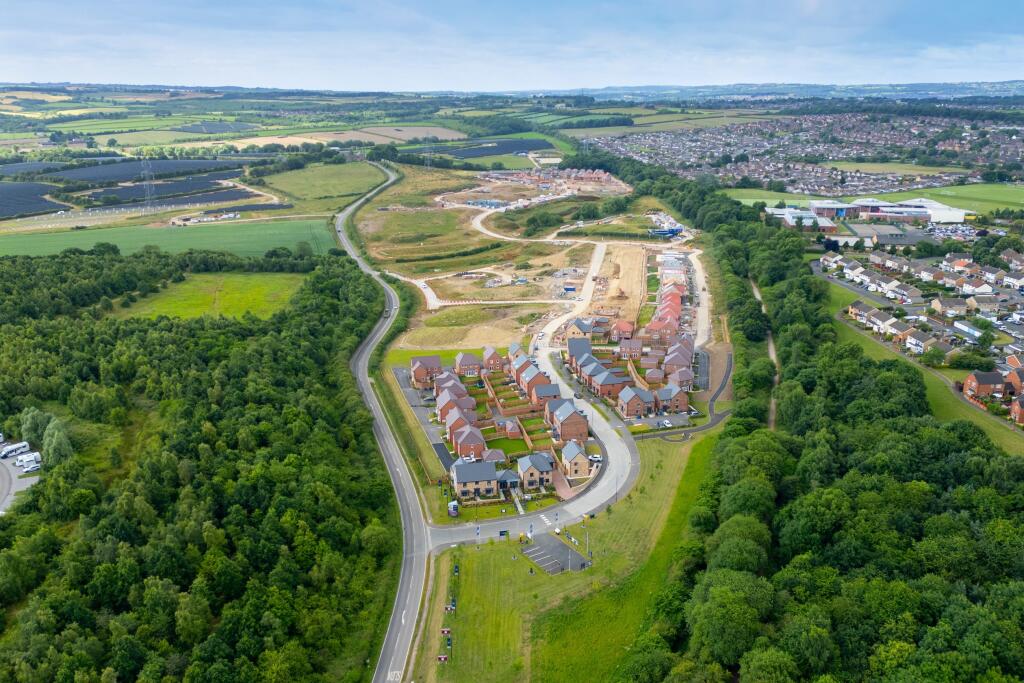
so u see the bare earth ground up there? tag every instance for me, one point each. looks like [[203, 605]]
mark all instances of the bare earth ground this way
[[717, 351], [348, 136], [472, 328], [626, 272], [457, 289], [508, 192]]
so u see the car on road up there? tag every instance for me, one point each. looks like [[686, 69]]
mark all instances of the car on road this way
[[577, 395], [666, 423]]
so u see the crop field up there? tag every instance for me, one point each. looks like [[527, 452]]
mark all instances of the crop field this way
[[982, 197], [201, 183], [216, 127], [131, 123], [245, 238], [29, 167], [227, 294], [892, 167], [411, 132], [468, 327], [509, 161], [124, 171], [17, 199], [154, 137], [325, 187]]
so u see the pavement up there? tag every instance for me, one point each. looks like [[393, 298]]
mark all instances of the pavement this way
[[11, 483], [549, 553], [415, 535]]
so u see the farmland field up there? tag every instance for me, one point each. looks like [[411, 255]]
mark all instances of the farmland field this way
[[132, 170], [17, 199], [891, 167], [131, 123], [325, 187], [216, 127], [153, 137], [246, 238], [228, 294]]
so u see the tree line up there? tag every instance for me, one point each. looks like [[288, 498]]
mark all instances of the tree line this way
[[861, 539]]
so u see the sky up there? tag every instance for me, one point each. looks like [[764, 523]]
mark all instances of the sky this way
[[401, 45]]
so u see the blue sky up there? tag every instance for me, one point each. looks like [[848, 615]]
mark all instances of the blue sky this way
[[525, 44]]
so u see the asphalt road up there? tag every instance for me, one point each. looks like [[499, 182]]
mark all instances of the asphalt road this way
[[618, 474], [415, 535]]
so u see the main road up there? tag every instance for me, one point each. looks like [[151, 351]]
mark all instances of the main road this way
[[618, 474]]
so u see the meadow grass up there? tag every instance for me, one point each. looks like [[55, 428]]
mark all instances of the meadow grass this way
[[227, 294], [325, 187], [244, 238], [554, 656]]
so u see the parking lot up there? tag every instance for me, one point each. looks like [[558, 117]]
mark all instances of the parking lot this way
[[553, 556], [12, 480]]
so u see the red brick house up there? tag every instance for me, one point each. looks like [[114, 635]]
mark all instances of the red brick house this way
[[456, 419], [672, 399], [609, 384], [424, 369], [467, 364], [532, 378], [448, 402], [566, 422], [1016, 380], [980, 384], [469, 442], [1017, 410], [493, 362], [630, 348], [621, 329], [635, 402]]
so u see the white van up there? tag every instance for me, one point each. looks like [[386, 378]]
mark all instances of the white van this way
[[26, 459], [14, 449]]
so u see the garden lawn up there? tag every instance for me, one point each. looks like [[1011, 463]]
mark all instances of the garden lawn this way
[[245, 238], [228, 294], [510, 446]]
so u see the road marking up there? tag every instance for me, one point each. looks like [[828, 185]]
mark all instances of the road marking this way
[[403, 616]]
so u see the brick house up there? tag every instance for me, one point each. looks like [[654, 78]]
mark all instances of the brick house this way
[[542, 393], [575, 463], [635, 402], [493, 362], [456, 419], [984, 384], [469, 442], [630, 348], [672, 399], [609, 384], [1015, 379], [532, 378], [467, 364], [448, 401], [424, 369], [576, 349], [471, 479], [535, 470], [621, 329], [567, 423], [1017, 410], [682, 378], [519, 365]]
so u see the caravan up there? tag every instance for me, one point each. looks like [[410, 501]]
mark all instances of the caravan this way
[[14, 449], [27, 460]]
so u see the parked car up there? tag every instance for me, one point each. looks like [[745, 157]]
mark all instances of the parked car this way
[[595, 458], [666, 423], [34, 467]]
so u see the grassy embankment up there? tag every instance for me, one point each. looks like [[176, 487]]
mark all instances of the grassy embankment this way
[[944, 403]]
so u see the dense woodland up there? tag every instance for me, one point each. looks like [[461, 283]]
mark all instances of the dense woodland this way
[[212, 505], [861, 539]]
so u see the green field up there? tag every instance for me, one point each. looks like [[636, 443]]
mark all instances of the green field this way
[[228, 294], [892, 167], [101, 126], [750, 195], [509, 161], [553, 655], [981, 197], [942, 400], [245, 238], [325, 187], [155, 137]]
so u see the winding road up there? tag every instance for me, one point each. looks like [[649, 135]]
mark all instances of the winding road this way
[[616, 476]]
